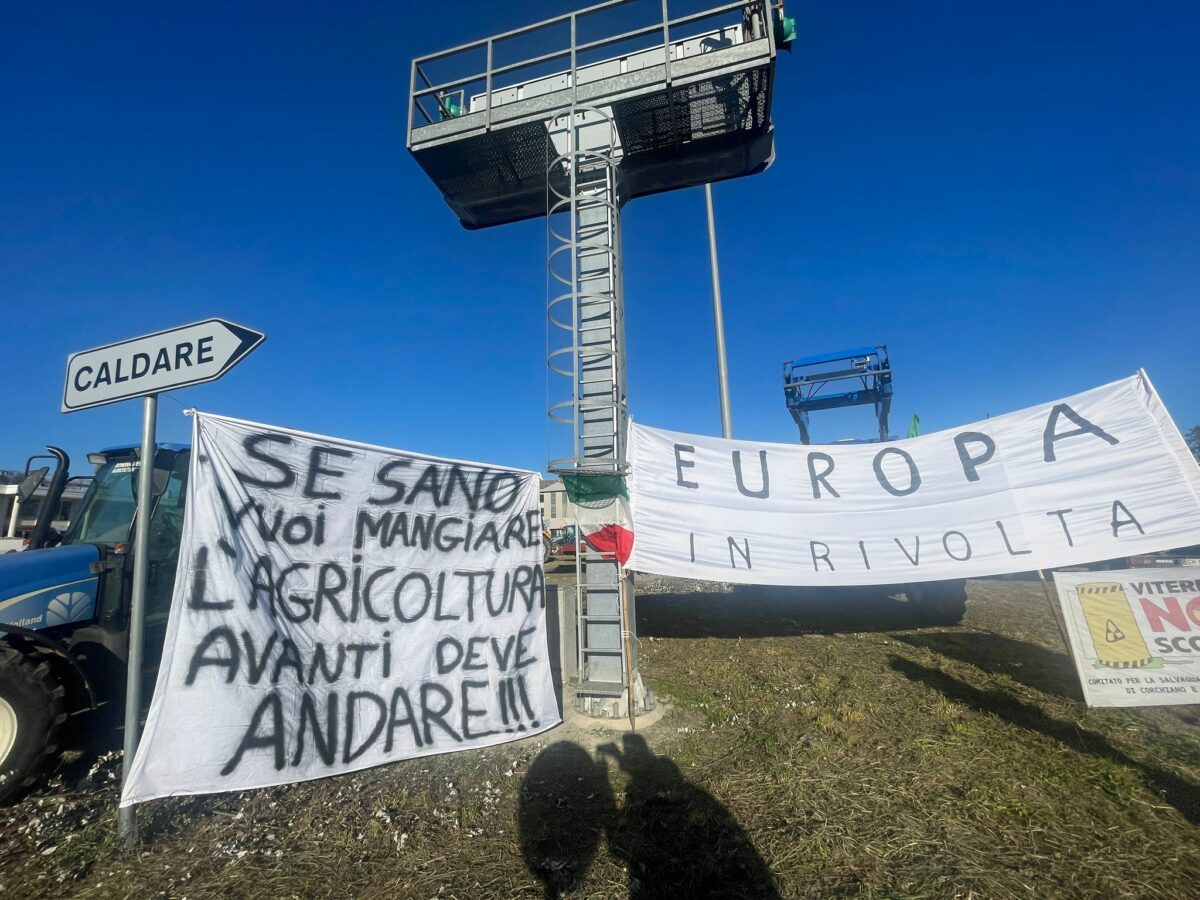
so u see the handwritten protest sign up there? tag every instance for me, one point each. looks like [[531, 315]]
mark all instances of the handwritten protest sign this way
[[1135, 634], [339, 606], [1099, 475]]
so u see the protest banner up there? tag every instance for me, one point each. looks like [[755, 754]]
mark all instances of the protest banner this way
[[1100, 475], [338, 606], [1134, 633]]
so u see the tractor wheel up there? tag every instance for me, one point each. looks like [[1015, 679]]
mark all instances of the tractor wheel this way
[[945, 602], [547, 551], [32, 712]]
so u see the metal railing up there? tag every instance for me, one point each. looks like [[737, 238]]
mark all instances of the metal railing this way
[[755, 19]]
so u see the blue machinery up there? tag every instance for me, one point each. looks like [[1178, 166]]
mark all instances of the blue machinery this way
[[568, 119], [835, 380]]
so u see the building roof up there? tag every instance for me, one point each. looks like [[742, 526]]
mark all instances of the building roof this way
[[70, 492]]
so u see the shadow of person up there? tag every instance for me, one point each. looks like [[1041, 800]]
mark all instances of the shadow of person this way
[[675, 839], [566, 805]]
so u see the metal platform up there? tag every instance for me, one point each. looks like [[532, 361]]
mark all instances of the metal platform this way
[[692, 107]]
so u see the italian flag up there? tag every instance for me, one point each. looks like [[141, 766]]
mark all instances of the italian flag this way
[[602, 512]]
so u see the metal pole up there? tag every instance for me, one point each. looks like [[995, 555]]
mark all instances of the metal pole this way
[[490, 59], [624, 585], [666, 22], [137, 610], [718, 314], [1054, 613], [412, 100]]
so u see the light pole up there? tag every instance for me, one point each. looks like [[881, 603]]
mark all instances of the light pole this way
[[719, 316]]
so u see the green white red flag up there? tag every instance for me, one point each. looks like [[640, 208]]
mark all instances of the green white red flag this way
[[602, 512]]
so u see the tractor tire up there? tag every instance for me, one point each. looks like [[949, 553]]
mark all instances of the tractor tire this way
[[548, 551], [943, 602], [32, 713]]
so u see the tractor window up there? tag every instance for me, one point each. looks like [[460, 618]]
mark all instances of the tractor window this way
[[106, 513]]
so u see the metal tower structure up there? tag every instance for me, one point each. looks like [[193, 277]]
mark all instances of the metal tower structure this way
[[569, 119]]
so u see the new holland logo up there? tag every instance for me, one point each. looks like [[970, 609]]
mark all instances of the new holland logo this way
[[68, 607]]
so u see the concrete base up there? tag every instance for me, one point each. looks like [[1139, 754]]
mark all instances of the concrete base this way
[[612, 707], [608, 707], [609, 714]]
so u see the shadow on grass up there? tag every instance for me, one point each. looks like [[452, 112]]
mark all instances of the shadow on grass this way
[[88, 738], [1032, 665], [566, 806], [1180, 793], [778, 612], [674, 838]]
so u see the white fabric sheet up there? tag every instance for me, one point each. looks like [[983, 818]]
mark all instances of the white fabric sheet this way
[[1100, 475], [338, 606]]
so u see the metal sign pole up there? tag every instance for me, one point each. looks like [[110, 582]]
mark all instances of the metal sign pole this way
[[719, 315], [145, 367], [137, 608]]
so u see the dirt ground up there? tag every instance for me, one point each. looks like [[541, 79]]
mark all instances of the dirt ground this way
[[814, 747]]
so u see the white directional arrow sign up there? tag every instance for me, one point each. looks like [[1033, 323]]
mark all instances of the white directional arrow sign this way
[[179, 357]]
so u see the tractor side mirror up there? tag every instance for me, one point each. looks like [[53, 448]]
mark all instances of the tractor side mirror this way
[[160, 480], [31, 482]]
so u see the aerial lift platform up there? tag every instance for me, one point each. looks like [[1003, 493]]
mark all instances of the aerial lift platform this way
[[690, 100]]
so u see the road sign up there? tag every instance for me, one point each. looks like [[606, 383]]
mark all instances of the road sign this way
[[145, 367], [164, 361]]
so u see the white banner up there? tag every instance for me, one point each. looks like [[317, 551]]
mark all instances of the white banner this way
[[1135, 634], [338, 606], [1100, 475]]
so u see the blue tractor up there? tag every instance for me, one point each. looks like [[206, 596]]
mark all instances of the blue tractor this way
[[64, 604], [858, 377]]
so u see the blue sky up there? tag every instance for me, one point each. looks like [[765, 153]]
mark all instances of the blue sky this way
[[1007, 194]]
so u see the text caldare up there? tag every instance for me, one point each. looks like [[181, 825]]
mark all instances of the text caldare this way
[[1099, 475], [338, 606]]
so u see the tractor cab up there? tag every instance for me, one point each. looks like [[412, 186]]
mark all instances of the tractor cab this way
[[79, 577], [64, 608], [66, 605], [105, 525]]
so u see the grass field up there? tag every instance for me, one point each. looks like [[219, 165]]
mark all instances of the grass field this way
[[845, 754]]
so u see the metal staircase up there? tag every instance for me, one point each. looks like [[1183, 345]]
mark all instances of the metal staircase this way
[[585, 356]]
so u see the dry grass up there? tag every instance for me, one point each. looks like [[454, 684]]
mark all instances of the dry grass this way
[[859, 757]]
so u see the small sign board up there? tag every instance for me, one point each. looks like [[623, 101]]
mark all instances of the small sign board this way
[[1135, 634], [164, 361]]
